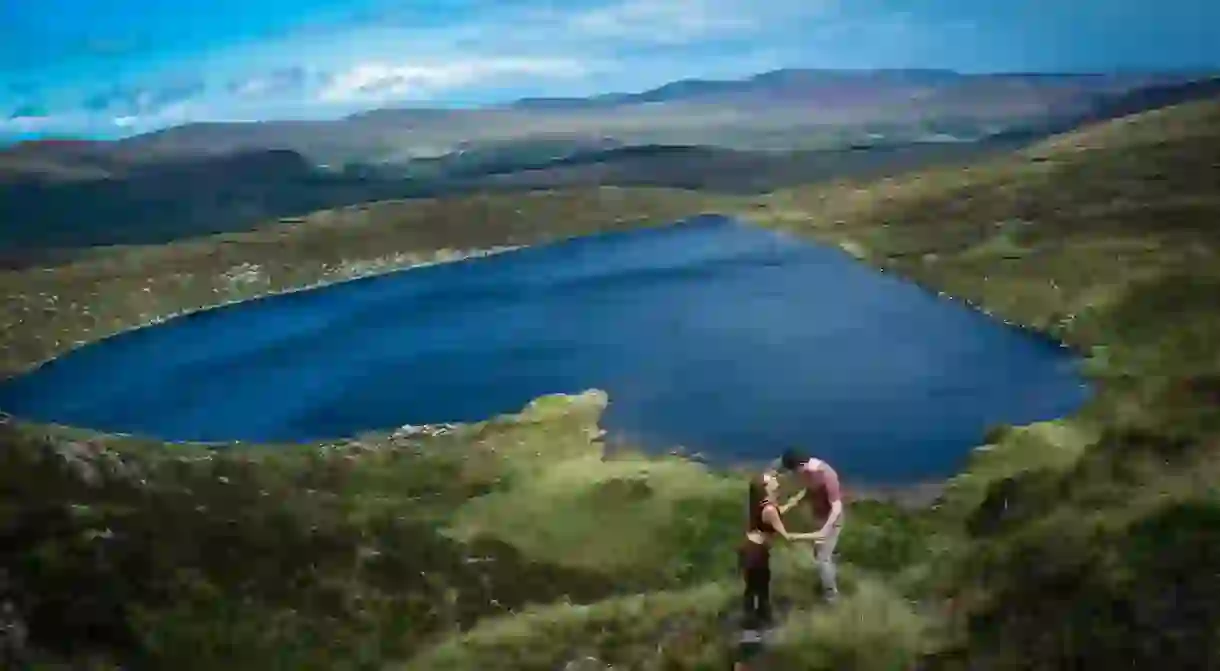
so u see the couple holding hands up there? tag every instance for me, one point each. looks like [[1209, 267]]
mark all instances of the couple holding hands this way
[[820, 490]]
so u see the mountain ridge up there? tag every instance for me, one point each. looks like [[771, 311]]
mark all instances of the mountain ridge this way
[[688, 111], [788, 108]]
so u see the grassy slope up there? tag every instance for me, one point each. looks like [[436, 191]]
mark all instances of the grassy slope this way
[[1106, 237], [171, 200], [1088, 539]]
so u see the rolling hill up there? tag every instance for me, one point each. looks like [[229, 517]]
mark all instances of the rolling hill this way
[[95, 201]]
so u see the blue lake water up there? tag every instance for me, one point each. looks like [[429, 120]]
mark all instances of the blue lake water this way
[[727, 339]]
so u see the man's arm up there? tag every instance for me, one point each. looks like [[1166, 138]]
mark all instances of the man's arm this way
[[835, 495], [790, 503]]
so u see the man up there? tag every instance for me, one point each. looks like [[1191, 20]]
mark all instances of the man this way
[[820, 486]]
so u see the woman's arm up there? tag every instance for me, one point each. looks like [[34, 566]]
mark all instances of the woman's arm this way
[[771, 514]]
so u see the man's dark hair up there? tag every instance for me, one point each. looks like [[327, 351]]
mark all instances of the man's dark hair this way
[[792, 460]]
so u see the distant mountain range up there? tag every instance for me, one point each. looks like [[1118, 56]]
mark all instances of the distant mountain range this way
[[760, 133], [779, 110], [783, 109]]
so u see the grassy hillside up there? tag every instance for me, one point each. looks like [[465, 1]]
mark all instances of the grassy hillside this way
[[720, 170], [1088, 542], [64, 202]]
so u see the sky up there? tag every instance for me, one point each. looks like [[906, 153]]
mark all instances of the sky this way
[[112, 68]]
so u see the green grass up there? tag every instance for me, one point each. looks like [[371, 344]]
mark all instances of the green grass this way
[[661, 630], [261, 559], [513, 544], [873, 629], [1048, 446], [586, 512]]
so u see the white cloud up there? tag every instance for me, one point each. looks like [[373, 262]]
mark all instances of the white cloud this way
[[169, 115], [661, 21], [280, 81], [623, 24], [79, 120], [26, 124], [538, 47], [250, 87], [46, 123], [383, 81]]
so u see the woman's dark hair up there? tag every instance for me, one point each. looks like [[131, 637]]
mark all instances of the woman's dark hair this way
[[758, 494]]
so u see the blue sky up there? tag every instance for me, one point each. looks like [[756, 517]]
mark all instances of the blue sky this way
[[108, 68]]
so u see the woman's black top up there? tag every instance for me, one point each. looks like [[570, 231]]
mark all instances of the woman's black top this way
[[758, 522], [755, 556]]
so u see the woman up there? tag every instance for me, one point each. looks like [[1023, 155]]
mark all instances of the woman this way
[[764, 525]]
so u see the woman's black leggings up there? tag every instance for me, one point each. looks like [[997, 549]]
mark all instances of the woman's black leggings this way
[[756, 601]]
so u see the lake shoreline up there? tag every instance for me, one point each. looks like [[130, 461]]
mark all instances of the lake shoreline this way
[[441, 257]]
